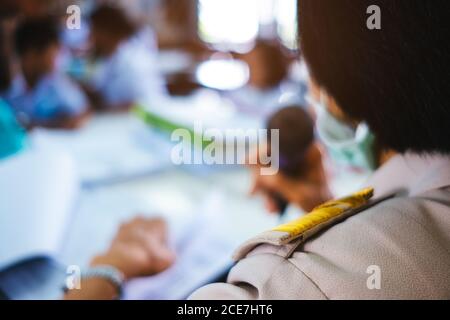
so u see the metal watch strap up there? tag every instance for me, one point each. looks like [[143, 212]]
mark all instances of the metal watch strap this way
[[109, 273]]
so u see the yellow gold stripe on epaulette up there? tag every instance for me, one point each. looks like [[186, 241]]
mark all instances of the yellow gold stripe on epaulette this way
[[325, 213]]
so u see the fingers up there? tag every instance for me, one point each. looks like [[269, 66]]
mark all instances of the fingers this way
[[264, 184], [291, 190], [253, 158], [150, 237], [259, 187], [270, 204], [161, 257], [156, 227]]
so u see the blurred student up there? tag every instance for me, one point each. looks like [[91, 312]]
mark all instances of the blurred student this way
[[39, 94], [269, 84], [126, 72], [14, 11], [301, 168], [12, 135]]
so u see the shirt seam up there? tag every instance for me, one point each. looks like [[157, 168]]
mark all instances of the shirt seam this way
[[309, 278]]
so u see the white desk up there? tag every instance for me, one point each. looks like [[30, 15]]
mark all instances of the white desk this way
[[175, 194]]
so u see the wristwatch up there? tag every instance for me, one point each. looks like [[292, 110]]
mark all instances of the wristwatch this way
[[106, 272]]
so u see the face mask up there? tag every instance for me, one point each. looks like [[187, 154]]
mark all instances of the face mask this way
[[347, 146], [12, 136]]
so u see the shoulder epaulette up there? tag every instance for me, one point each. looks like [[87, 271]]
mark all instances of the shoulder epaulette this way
[[299, 230]]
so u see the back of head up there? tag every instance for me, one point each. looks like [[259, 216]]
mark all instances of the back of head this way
[[270, 60], [114, 21], [394, 78], [296, 133], [36, 34]]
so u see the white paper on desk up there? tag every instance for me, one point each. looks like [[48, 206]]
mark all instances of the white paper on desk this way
[[108, 148], [203, 252], [37, 194], [207, 108]]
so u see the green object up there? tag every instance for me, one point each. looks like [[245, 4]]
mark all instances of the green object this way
[[167, 126], [12, 135]]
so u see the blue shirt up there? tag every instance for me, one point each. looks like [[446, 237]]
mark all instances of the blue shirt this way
[[12, 135], [54, 96]]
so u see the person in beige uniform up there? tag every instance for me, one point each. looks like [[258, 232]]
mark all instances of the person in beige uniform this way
[[388, 241], [404, 240]]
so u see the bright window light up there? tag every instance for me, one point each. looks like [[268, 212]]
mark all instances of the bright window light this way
[[286, 16], [241, 21], [223, 74], [228, 21]]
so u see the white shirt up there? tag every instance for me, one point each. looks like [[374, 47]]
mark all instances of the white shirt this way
[[131, 73]]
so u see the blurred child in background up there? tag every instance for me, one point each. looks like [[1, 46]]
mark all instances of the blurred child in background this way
[[301, 169], [126, 72], [269, 84], [39, 94], [12, 135]]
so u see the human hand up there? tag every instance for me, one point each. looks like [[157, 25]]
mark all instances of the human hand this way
[[306, 191], [139, 249]]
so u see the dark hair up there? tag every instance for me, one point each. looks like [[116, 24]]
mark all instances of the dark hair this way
[[296, 133], [114, 20], [5, 70], [8, 8], [396, 79], [36, 34]]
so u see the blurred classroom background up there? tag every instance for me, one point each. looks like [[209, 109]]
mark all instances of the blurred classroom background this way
[[107, 157]]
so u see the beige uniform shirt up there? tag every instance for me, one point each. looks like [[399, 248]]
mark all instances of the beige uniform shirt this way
[[398, 248]]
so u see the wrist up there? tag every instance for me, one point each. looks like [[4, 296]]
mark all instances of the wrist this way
[[100, 281], [93, 289], [107, 260]]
